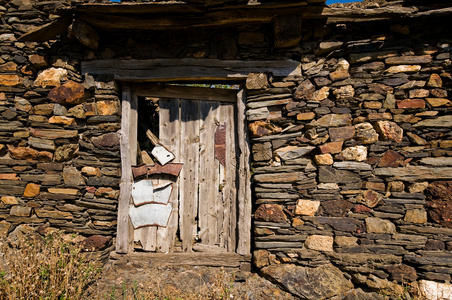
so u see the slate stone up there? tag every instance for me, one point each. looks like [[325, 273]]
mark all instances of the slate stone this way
[[322, 282], [333, 120], [96, 243], [439, 200], [408, 60], [377, 225], [336, 208], [270, 213], [341, 133], [332, 175], [109, 141]]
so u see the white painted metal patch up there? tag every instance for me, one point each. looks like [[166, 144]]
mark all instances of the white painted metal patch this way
[[162, 154], [152, 214], [142, 192], [162, 193]]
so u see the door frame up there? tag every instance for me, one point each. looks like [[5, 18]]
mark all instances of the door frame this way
[[128, 147]]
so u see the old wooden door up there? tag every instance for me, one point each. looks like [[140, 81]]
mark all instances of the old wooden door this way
[[201, 133]]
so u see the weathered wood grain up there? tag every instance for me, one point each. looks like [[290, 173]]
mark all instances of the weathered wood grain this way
[[169, 129], [186, 259], [189, 176], [244, 173], [123, 230], [207, 214], [86, 35], [190, 93], [230, 199], [146, 238], [188, 69]]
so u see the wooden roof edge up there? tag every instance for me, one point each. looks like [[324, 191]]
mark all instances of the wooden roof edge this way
[[175, 7]]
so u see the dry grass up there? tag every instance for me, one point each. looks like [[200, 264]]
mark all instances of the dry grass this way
[[44, 268]]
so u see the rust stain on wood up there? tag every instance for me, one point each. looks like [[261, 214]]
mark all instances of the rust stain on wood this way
[[220, 144]]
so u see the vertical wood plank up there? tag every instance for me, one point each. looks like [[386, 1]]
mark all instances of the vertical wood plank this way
[[133, 146], [223, 204], [147, 237], [123, 231], [208, 187], [231, 171], [169, 135], [244, 189], [188, 196]]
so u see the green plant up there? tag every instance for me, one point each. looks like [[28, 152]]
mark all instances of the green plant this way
[[44, 268]]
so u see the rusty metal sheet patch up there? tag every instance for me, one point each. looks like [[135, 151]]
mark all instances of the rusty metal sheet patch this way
[[220, 144], [170, 168], [152, 214]]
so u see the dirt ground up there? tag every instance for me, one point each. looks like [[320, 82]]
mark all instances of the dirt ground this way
[[135, 280]]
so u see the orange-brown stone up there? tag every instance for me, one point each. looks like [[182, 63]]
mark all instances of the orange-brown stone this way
[[107, 108], [8, 67], [70, 93], [411, 103], [391, 159], [10, 80], [32, 190], [261, 128]]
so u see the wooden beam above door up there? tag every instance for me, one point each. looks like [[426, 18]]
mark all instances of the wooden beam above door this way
[[186, 92], [188, 69]]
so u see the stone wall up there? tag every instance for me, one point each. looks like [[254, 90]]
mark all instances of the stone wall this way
[[351, 162], [60, 164]]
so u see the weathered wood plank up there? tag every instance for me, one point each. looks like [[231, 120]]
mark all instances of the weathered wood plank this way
[[136, 8], [86, 35], [146, 237], [169, 129], [191, 93], [123, 230], [230, 178], [133, 152], [188, 69], [244, 173], [211, 19], [208, 188], [189, 176], [186, 259]]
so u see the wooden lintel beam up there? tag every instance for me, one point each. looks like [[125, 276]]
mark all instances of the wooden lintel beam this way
[[188, 92], [189, 69]]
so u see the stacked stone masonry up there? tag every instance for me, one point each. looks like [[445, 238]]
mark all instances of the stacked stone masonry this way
[[351, 162]]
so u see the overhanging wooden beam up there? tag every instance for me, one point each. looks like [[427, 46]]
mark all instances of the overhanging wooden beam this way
[[173, 22], [188, 69], [48, 31]]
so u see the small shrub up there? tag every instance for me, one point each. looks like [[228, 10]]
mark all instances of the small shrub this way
[[44, 268]]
